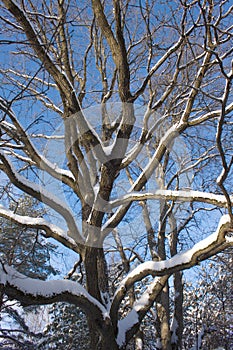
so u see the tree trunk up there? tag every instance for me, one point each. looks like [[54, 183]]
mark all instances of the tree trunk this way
[[101, 335], [178, 311], [163, 327], [163, 308], [178, 290], [90, 260], [101, 332]]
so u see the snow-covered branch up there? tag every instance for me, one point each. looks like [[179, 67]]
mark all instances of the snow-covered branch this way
[[42, 195], [51, 230], [30, 291], [211, 115], [41, 162], [204, 249], [180, 195], [127, 326]]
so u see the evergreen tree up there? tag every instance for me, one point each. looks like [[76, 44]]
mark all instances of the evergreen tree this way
[[26, 249], [67, 329]]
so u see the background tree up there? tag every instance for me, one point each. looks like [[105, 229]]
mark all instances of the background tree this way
[[144, 177], [24, 249], [208, 306], [67, 329]]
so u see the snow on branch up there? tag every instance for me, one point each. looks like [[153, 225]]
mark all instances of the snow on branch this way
[[60, 77], [207, 247], [51, 230], [30, 291], [180, 195], [141, 306], [41, 162], [211, 115], [42, 195]]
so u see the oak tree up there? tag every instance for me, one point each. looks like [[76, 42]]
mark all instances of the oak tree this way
[[117, 117]]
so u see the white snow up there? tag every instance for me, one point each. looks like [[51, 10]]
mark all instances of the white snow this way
[[8, 125], [174, 326], [108, 149], [219, 178], [179, 259], [132, 153], [46, 289], [138, 343], [96, 188], [48, 137], [34, 222], [35, 187], [54, 167], [143, 300], [229, 239], [181, 195], [125, 324]]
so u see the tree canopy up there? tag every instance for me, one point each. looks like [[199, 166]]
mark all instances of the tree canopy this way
[[117, 117]]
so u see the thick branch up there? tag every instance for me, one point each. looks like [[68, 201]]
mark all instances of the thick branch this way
[[66, 88], [42, 195], [42, 163], [117, 46], [204, 249], [183, 196], [30, 291], [51, 230]]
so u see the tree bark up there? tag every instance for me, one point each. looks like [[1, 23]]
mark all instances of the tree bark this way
[[101, 335], [163, 309], [178, 289], [90, 264]]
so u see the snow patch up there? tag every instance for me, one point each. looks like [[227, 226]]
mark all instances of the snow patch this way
[[46, 289], [179, 259], [108, 149], [174, 326], [125, 324]]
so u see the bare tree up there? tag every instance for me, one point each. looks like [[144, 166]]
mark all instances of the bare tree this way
[[116, 115]]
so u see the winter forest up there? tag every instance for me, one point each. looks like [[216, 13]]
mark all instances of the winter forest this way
[[116, 172]]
